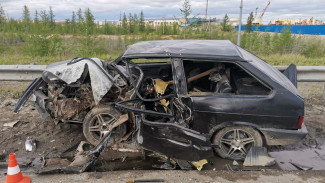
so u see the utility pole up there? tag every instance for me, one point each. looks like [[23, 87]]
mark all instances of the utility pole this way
[[206, 10], [206, 16], [120, 24], [163, 25], [240, 17]]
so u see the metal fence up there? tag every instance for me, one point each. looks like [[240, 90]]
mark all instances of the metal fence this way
[[295, 29]]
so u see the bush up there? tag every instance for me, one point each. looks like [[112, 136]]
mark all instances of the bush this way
[[43, 45], [2, 48], [313, 48]]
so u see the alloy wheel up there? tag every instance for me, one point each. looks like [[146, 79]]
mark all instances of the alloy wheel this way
[[236, 143]]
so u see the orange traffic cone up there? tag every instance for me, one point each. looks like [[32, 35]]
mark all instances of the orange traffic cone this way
[[14, 174]]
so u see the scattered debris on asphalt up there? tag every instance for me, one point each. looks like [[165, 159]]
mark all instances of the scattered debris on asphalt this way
[[82, 161], [145, 180], [305, 158], [168, 163], [30, 145], [257, 156], [235, 163], [184, 165], [11, 124], [229, 167], [199, 164], [301, 167]]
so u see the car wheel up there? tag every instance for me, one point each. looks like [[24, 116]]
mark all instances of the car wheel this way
[[96, 122], [235, 142]]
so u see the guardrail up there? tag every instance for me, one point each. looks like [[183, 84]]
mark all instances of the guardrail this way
[[30, 72], [20, 72], [308, 73]]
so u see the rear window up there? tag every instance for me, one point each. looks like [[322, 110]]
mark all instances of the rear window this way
[[272, 72]]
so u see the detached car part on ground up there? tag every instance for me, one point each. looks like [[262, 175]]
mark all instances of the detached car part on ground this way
[[212, 97]]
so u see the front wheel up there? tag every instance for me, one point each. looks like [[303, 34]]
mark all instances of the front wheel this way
[[235, 142], [96, 122]]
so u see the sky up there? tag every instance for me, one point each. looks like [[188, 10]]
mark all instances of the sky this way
[[110, 10]]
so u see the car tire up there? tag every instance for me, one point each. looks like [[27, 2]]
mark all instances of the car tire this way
[[93, 131], [232, 148]]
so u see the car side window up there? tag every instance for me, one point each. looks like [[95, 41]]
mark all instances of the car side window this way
[[221, 78]]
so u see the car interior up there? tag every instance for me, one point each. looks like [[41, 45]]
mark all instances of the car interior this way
[[229, 79]]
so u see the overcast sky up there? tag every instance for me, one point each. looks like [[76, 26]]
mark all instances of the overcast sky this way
[[110, 10]]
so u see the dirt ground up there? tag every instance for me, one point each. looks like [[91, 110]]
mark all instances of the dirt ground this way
[[61, 140], [178, 176]]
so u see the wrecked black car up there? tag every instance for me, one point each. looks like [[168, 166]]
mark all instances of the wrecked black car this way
[[190, 100]]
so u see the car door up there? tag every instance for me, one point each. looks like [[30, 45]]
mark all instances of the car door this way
[[171, 139]]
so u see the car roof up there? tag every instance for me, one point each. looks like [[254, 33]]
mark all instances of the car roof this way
[[204, 49]]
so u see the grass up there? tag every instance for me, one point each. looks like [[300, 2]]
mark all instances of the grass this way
[[26, 59], [287, 59], [13, 89]]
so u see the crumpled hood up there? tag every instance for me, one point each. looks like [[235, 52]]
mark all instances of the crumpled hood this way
[[70, 73]]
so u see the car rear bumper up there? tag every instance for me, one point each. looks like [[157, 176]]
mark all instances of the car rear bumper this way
[[283, 137]]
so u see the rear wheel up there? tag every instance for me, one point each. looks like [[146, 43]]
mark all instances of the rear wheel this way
[[235, 142], [95, 125]]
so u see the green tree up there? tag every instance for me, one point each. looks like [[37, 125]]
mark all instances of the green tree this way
[[89, 20], [186, 9], [142, 25], [249, 25], [73, 22], [51, 19], [2, 17], [225, 24], [80, 24], [131, 23], [26, 14], [79, 15], [44, 16], [67, 26], [36, 22], [45, 22], [36, 19], [175, 28], [136, 23], [26, 18], [124, 24]]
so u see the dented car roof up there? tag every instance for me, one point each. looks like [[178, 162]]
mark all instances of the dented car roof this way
[[210, 49]]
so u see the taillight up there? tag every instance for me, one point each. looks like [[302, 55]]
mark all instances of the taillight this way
[[301, 121]]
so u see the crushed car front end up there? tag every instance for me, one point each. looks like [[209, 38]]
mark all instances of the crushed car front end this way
[[68, 90]]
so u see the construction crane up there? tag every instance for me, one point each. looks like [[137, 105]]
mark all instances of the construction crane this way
[[258, 21], [256, 12], [262, 14]]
